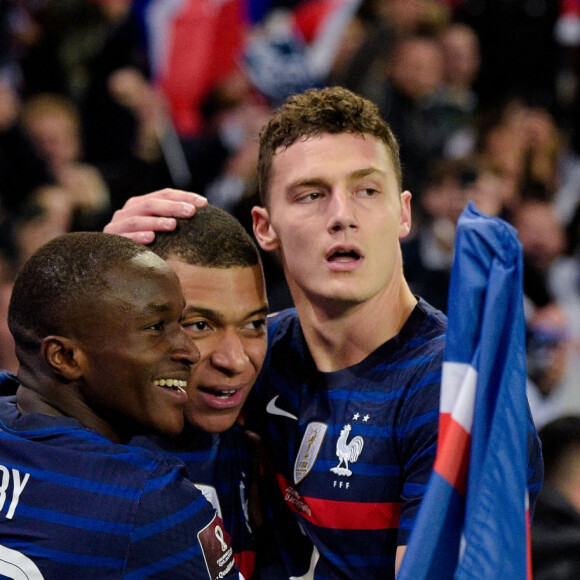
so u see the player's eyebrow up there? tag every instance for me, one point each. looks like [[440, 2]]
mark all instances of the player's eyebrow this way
[[215, 314], [360, 173]]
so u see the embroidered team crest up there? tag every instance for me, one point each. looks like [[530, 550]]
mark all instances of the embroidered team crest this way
[[309, 449], [347, 451]]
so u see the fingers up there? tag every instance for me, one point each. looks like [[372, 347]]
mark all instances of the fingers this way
[[165, 202], [175, 198], [144, 215], [124, 224]]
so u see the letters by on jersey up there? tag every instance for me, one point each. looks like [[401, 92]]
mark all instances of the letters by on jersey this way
[[14, 564], [12, 484]]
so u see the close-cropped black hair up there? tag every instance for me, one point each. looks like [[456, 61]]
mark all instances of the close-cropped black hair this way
[[63, 275], [212, 238]]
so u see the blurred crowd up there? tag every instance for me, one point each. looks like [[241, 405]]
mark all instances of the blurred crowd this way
[[101, 100]]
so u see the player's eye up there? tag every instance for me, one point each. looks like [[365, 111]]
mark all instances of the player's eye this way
[[196, 325], [258, 324], [368, 192]]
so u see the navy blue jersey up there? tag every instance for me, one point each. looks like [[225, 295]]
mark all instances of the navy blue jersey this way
[[348, 452], [220, 464], [347, 455], [75, 505]]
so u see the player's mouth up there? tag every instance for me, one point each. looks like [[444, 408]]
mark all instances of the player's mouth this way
[[344, 257], [177, 385], [221, 398]]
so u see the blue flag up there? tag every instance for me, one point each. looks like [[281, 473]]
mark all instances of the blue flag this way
[[474, 519]]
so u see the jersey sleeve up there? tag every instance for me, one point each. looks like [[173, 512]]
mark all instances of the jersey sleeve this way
[[177, 533], [417, 440]]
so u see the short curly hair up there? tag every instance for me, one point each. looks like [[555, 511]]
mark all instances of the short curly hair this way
[[314, 112]]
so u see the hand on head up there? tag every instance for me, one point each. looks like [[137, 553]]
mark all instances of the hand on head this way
[[144, 215]]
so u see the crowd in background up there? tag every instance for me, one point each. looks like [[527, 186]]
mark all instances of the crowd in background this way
[[101, 100]]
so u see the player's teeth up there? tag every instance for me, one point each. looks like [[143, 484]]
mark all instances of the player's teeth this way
[[173, 383]]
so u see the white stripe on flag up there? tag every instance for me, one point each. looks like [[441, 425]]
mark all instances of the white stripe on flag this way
[[458, 383]]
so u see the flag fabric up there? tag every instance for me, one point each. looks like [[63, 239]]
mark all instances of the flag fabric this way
[[192, 45], [474, 519], [303, 43]]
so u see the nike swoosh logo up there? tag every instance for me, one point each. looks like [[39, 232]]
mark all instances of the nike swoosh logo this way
[[274, 410]]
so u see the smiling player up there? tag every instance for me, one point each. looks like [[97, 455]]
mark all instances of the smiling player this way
[[96, 321], [221, 275], [348, 399]]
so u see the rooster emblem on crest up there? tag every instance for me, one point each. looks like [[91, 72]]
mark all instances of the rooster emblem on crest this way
[[347, 451]]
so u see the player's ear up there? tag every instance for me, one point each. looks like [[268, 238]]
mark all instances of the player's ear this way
[[265, 234], [405, 221], [63, 356]]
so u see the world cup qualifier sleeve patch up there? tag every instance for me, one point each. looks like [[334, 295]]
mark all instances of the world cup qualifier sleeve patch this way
[[215, 545]]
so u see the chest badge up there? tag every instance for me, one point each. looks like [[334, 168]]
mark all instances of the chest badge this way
[[309, 448], [347, 451]]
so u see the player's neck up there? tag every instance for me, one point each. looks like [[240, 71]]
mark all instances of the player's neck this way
[[340, 336], [31, 401]]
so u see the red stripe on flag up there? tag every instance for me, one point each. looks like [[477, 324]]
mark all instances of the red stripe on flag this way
[[341, 515], [528, 547], [452, 460], [246, 562], [444, 420]]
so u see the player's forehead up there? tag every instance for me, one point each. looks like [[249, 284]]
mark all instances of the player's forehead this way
[[145, 282], [225, 293], [330, 158], [345, 145]]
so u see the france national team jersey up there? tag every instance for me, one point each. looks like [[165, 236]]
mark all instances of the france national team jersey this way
[[220, 465], [76, 506], [347, 454]]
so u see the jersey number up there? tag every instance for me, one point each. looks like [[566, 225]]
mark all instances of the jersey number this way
[[16, 566]]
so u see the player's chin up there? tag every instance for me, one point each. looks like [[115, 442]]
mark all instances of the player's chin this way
[[215, 422], [171, 425]]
